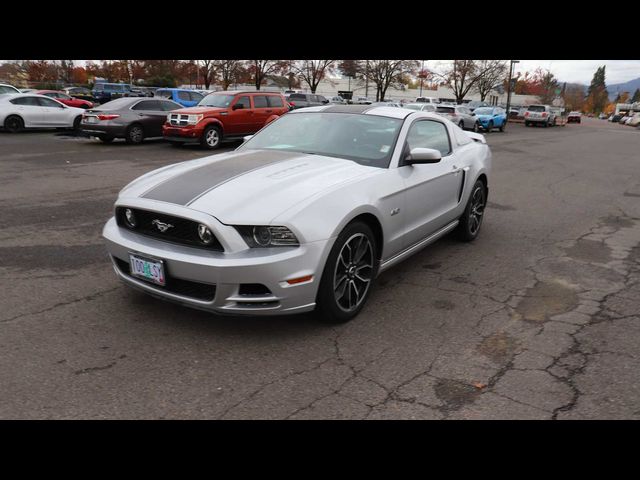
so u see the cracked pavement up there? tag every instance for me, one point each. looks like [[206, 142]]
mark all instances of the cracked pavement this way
[[539, 318]]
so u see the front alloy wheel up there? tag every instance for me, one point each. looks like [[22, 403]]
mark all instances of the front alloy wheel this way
[[211, 138], [348, 274], [471, 219]]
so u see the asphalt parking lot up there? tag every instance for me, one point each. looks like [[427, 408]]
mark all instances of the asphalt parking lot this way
[[539, 318]]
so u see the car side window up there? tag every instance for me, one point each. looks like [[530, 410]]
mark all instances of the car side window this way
[[47, 102], [168, 105], [429, 134], [28, 101], [244, 101], [275, 101], [184, 96], [260, 101], [195, 96], [149, 105]]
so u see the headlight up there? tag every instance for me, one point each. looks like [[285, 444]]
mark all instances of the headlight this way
[[261, 236], [193, 119]]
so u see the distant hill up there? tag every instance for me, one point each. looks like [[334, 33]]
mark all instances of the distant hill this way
[[629, 86]]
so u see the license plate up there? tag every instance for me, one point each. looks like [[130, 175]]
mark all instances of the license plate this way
[[90, 119], [150, 270]]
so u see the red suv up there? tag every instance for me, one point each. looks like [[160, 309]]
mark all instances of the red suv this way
[[223, 115]]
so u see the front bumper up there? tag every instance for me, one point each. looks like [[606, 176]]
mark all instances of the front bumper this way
[[226, 272], [186, 134]]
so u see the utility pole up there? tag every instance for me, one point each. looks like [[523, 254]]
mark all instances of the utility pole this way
[[366, 77], [421, 77], [509, 87]]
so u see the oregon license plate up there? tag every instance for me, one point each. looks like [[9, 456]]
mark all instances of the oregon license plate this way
[[147, 269]]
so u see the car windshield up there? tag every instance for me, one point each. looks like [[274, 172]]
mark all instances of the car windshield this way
[[219, 101], [536, 108], [366, 139], [483, 111], [445, 109]]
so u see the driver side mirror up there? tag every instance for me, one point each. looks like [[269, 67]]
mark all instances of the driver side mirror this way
[[238, 106], [422, 155]]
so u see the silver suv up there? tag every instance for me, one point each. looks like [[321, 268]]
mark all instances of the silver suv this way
[[539, 115]]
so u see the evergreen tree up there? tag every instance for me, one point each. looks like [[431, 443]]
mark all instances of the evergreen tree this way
[[636, 96], [597, 96]]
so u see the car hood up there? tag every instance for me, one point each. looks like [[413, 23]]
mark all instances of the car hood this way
[[198, 110], [246, 187]]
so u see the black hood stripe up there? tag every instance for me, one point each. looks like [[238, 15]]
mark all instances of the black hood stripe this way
[[185, 188]]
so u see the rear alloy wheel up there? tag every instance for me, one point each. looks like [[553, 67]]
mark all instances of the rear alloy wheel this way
[[348, 274], [211, 137], [13, 124], [471, 219], [135, 134], [476, 128]]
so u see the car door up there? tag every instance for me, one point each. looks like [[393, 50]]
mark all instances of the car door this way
[[432, 190], [239, 119], [277, 104], [261, 111], [30, 110], [54, 114], [151, 114]]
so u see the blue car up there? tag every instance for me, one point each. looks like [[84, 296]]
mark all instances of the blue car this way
[[186, 98], [491, 117]]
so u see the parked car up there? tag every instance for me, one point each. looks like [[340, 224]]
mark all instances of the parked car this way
[[386, 104], [423, 107], [26, 110], [5, 88], [602, 116], [80, 92], [66, 99], [26, 90], [460, 115], [362, 101], [305, 214], [432, 100], [186, 98], [225, 115], [105, 92], [131, 118], [491, 117], [539, 115], [302, 100], [338, 100], [574, 117], [635, 120], [473, 104], [624, 119]]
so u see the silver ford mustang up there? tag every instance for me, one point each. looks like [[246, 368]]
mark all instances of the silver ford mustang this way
[[305, 214]]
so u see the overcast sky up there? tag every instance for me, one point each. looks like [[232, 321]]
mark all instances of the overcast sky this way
[[578, 71]]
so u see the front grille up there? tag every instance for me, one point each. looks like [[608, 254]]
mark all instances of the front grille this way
[[178, 120], [182, 230], [186, 288]]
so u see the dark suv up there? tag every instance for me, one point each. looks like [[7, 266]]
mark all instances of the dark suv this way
[[301, 100], [105, 92]]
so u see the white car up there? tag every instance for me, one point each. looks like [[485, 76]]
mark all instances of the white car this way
[[26, 110], [305, 214], [423, 106], [432, 100], [4, 88]]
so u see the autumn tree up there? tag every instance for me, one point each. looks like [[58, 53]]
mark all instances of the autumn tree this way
[[229, 71], [574, 97], [493, 74], [312, 72]]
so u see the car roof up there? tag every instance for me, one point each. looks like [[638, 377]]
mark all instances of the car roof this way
[[243, 92], [391, 112]]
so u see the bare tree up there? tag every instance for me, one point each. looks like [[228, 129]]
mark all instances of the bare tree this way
[[312, 72], [492, 74], [207, 70], [261, 68], [461, 76], [387, 73]]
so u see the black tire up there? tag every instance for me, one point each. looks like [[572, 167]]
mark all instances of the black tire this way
[[490, 126], [211, 137], [461, 125], [546, 124], [471, 220], [476, 127], [342, 264], [104, 139], [503, 126], [134, 134], [76, 123], [527, 124], [13, 124]]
